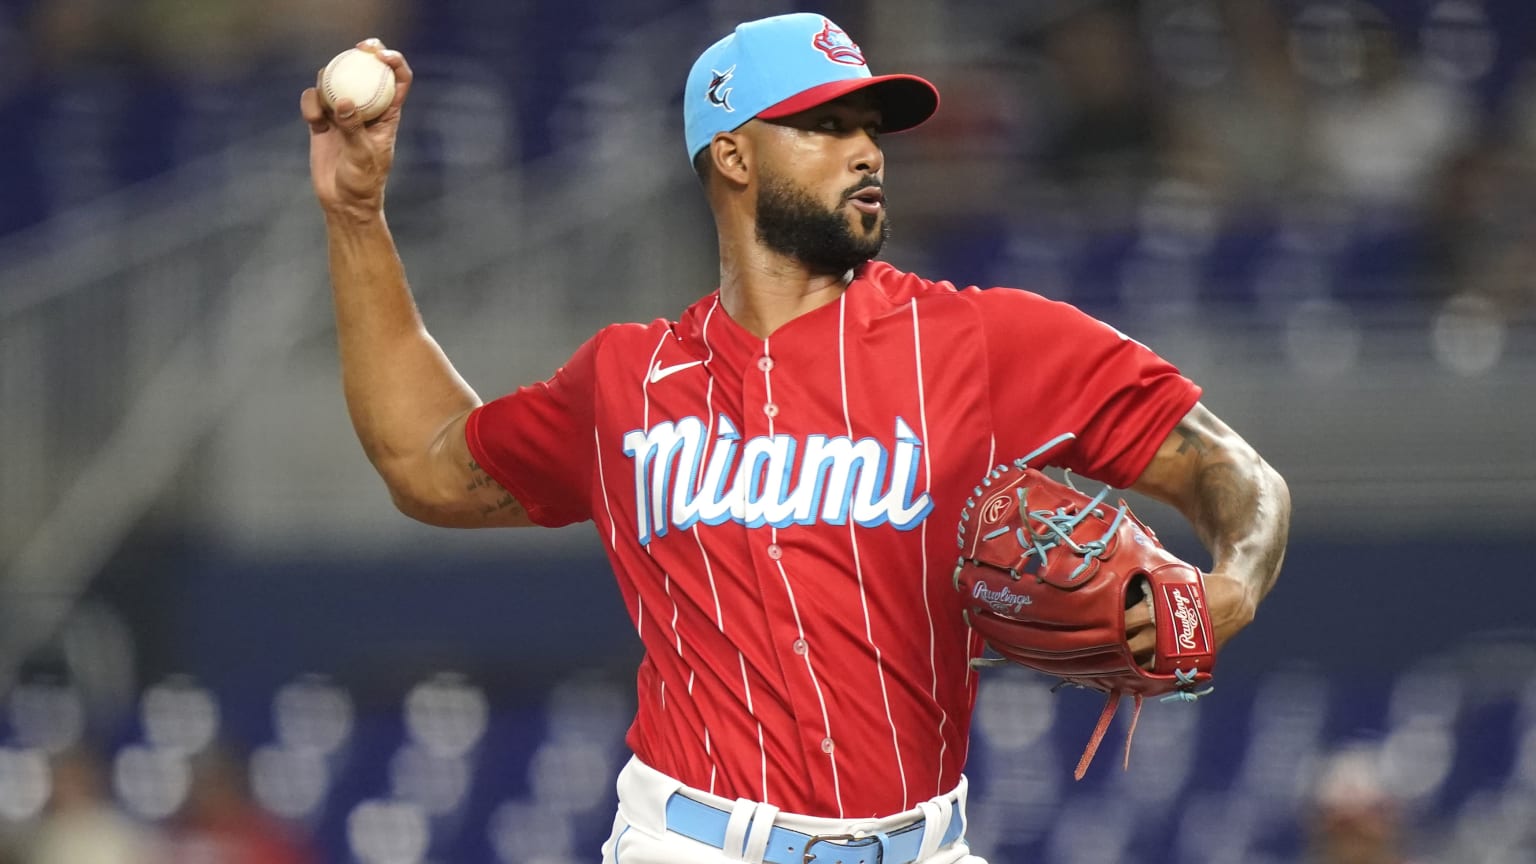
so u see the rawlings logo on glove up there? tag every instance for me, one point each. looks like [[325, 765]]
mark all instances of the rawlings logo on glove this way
[[1048, 574]]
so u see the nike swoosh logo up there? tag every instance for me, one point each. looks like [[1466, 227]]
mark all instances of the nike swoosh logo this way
[[659, 371]]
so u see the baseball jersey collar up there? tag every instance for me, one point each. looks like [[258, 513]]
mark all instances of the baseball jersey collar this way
[[710, 333]]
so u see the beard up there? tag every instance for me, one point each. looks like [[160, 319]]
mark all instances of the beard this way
[[792, 223]]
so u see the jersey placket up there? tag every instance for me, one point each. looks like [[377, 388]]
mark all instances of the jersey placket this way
[[777, 567]]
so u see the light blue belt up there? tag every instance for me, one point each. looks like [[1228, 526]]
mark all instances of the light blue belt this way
[[706, 824]]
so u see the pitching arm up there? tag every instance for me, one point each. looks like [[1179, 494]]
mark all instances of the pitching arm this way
[[407, 403]]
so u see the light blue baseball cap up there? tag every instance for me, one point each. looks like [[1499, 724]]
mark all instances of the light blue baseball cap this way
[[778, 66]]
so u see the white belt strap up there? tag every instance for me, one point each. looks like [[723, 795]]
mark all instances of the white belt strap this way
[[936, 816], [736, 829], [757, 837]]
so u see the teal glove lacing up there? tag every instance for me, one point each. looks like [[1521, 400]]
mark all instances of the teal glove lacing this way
[[1058, 526], [1186, 679]]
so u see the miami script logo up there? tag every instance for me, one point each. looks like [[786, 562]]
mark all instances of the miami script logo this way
[[684, 476]]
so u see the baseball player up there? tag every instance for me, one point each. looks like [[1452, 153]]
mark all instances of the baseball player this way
[[776, 474]]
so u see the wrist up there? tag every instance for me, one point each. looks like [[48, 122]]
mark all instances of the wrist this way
[[343, 216], [1240, 597]]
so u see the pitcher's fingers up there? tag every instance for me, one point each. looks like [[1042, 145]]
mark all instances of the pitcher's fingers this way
[[1137, 617], [314, 112], [1143, 646], [344, 117], [396, 61], [403, 74], [332, 111]]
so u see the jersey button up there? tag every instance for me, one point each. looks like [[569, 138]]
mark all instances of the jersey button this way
[[826, 745], [765, 363], [775, 552], [771, 410], [800, 647]]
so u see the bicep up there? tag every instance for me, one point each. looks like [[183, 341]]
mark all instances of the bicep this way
[[463, 494], [1199, 444]]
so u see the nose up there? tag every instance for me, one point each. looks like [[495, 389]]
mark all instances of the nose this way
[[867, 156]]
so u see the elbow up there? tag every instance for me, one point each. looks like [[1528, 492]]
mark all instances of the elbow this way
[[1280, 491], [1265, 486], [410, 495], [436, 511], [436, 498], [1280, 524], [411, 505], [407, 499]]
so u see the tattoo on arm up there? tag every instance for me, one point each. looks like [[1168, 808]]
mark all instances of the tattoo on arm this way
[[507, 501], [480, 479], [1239, 506], [1191, 441]]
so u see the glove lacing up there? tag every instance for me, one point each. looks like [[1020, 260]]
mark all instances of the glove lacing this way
[[1057, 527], [1185, 679]]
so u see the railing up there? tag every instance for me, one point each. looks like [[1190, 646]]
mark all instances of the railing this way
[[140, 334]]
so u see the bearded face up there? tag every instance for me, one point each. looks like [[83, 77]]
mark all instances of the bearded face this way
[[830, 239]]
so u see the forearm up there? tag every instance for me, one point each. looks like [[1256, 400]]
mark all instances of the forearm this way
[[1241, 510], [1238, 505], [401, 390]]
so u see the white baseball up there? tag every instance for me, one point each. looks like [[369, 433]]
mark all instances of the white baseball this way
[[362, 77]]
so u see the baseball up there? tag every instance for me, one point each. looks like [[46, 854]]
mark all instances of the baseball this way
[[362, 77]]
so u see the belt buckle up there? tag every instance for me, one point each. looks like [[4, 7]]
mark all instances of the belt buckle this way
[[846, 841]]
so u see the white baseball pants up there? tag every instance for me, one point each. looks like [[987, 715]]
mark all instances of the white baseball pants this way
[[757, 833]]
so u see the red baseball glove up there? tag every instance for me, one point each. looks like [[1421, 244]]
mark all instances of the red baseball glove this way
[[1048, 573]]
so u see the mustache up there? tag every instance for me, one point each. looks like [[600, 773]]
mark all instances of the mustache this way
[[870, 181]]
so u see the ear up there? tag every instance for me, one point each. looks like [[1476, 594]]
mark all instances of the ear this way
[[731, 153]]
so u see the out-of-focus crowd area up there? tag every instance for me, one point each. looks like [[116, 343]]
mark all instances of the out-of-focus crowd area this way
[[1143, 152], [219, 644], [1435, 765]]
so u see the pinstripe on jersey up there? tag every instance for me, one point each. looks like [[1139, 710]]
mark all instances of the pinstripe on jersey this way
[[779, 513]]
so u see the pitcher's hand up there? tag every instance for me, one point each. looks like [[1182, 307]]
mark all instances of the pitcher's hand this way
[[349, 160]]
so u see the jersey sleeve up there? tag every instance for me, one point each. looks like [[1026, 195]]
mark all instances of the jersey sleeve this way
[[537, 441], [1055, 369]]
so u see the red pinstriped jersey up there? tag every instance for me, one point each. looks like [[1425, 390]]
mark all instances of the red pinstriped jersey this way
[[780, 514]]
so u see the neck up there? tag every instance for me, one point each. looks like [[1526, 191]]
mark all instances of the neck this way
[[763, 290]]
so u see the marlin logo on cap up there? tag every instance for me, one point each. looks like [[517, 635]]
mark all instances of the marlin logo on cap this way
[[717, 97], [837, 45]]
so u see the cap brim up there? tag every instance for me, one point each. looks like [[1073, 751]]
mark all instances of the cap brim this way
[[904, 100]]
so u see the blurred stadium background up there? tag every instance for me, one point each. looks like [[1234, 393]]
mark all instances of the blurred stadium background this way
[[215, 632]]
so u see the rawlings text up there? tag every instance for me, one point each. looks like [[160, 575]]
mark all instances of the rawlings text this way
[[1003, 602], [1189, 635]]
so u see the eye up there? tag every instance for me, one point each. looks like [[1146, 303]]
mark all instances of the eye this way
[[830, 124]]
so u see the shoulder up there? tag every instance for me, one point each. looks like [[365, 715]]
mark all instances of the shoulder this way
[[1017, 306], [630, 331], [631, 337], [900, 287], [611, 350]]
